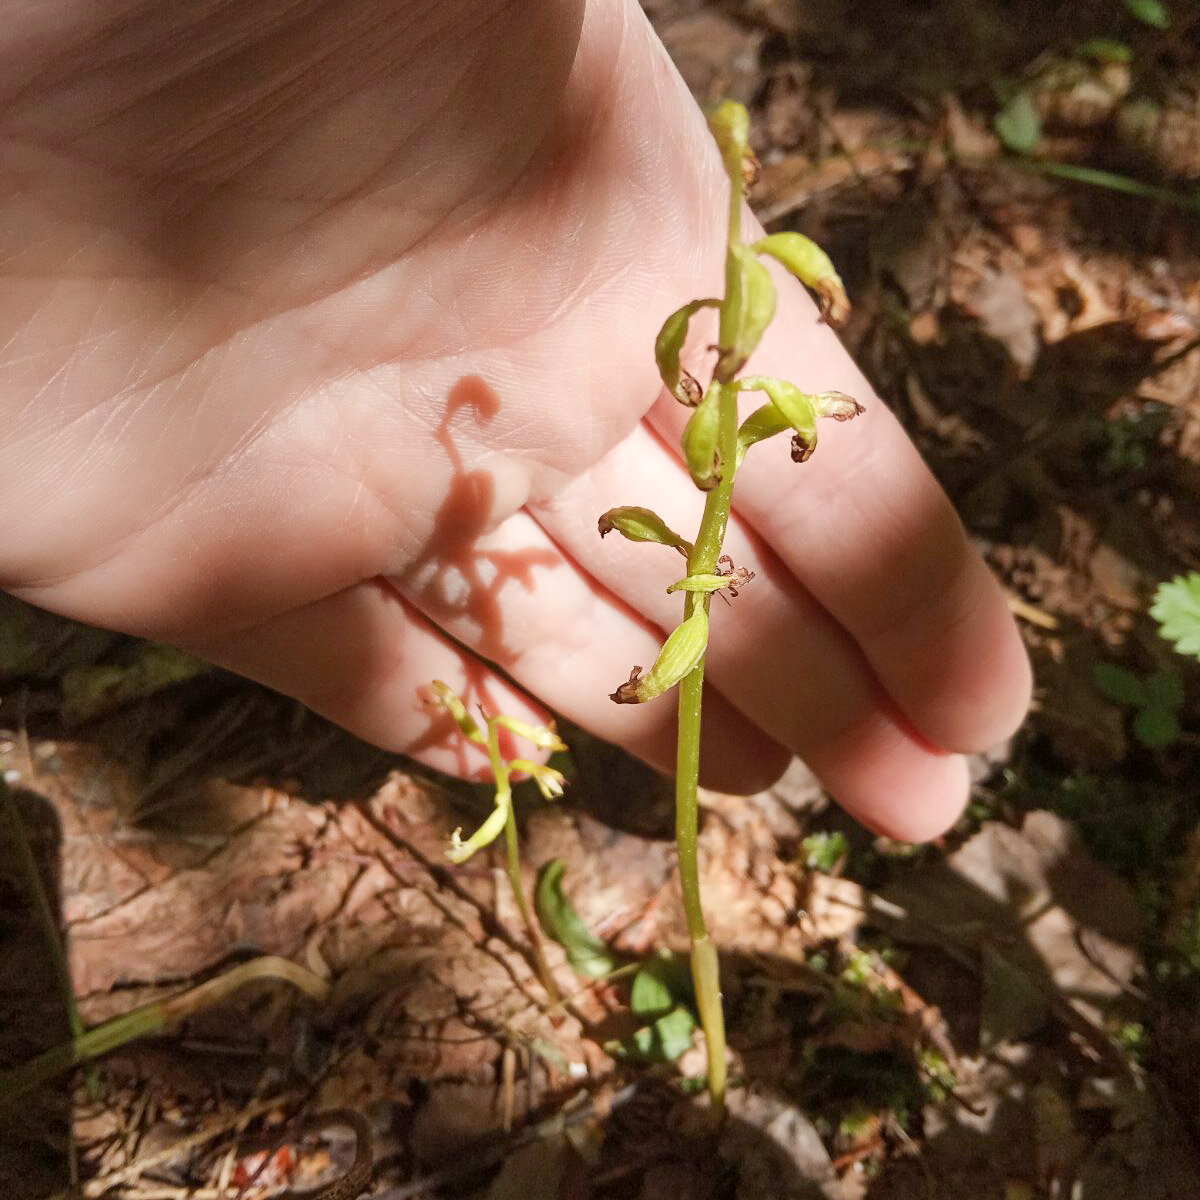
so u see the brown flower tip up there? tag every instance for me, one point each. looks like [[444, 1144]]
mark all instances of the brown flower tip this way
[[802, 451], [751, 168], [833, 301], [840, 407], [689, 385], [627, 693], [738, 576]]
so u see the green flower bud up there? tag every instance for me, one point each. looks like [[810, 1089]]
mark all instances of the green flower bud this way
[[735, 578], [729, 123], [642, 525], [680, 655], [446, 700], [545, 737], [550, 782], [812, 266], [668, 347], [485, 835], [746, 311], [796, 408], [701, 441]]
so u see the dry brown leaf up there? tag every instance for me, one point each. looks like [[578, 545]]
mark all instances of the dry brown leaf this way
[[1036, 897]]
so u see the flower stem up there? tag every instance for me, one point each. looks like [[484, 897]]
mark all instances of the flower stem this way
[[705, 966], [513, 861], [512, 856]]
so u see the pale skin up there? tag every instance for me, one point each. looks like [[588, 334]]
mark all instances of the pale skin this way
[[326, 335]]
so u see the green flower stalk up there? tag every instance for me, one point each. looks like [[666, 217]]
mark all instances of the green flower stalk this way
[[502, 819], [714, 446]]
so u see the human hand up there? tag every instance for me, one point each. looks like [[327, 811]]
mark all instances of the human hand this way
[[327, 333]]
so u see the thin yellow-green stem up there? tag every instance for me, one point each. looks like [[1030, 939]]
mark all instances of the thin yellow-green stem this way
[[150, 1018], [705, 967], [512, 849]]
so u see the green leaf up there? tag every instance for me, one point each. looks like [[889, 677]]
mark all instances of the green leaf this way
[[746, 311], [1105, 50], [1017, 124], [823, 851], [94, 691], [641, 525], [1119, 685], [1149, 12], [1165, 690], [669, 345], [660, 984], [1155, 727], [587, 954], [1176, 608], [668, 1038]]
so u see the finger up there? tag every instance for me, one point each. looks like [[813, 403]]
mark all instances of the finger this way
[[870, 534], [365, 659], [775, 653], [515, 599]]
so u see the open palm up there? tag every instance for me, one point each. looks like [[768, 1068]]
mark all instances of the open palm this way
[[326, 336]]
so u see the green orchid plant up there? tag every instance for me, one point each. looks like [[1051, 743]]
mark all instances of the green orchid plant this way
[[714, 446], [502, 818]]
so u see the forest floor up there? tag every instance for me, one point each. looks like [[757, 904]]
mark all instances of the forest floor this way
[[1010, 1014]]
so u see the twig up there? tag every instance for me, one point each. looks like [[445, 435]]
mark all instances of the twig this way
[[192, 1141]]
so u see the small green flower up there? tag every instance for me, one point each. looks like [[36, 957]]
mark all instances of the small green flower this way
[[680, 655], [668, 347], [642, 525], [701, 441], [812, 266]]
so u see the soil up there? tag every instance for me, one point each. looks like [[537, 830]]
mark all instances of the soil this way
[[1010, 1014]]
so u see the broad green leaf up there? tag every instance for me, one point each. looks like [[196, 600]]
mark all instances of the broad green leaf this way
[[1165, 690], [669, 346], [1017, 124], [641, 525], [586, 953], [1155, 727], [1176, 608], [669, 1037], [1119, 685], [746, 311], [660, 984], [1149, 12], [680, 655]]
